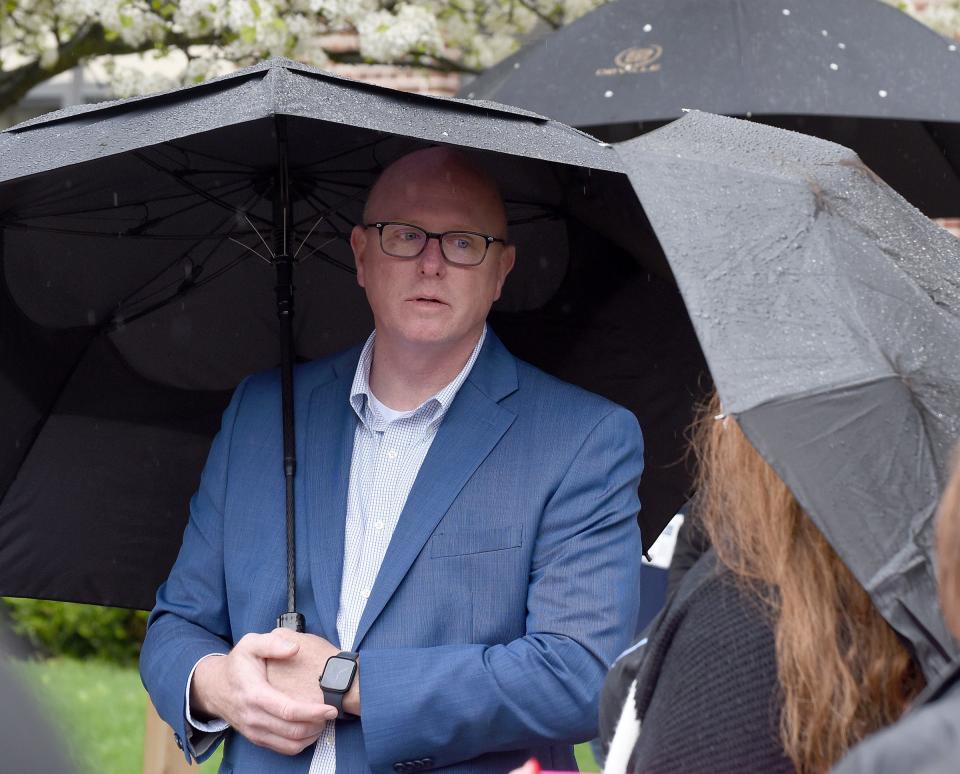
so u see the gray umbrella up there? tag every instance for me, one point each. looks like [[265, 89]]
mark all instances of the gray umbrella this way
[[138, 241], [829, 313]]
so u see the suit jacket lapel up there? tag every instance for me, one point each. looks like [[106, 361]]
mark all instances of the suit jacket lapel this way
[[473, 425], [331, 424]]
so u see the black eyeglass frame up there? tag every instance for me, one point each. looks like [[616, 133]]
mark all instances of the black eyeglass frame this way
[[438, 235]]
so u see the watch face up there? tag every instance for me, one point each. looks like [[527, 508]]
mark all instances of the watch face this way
[[337, 674]]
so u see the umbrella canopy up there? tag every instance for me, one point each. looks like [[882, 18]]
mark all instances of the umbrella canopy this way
[[137, 242], [829, 312], [864, 75]]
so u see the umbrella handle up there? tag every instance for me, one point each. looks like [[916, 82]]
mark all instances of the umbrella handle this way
[[292, 620]]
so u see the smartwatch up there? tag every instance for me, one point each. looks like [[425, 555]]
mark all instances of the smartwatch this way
[[338, 675]]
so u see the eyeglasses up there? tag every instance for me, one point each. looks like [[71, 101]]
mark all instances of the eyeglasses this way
[[461, 248]]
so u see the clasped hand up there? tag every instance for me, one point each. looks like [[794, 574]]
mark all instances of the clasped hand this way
[[267, 689]]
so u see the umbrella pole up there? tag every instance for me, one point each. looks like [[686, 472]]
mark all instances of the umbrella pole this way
[[284, 289]]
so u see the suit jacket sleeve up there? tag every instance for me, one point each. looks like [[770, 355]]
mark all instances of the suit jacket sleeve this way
[[452, 703], [190, 619]]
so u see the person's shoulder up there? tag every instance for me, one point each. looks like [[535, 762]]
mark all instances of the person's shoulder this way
[[926, 739], [554, 394], [306, 376]]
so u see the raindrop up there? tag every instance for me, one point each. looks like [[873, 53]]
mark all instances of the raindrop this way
[[91, 317], [951, 47], [516, 65], [834, 66], [842, 46], [443, 134], [824, 33], [471, 95], [116, 199], [882, 92], [786, 11], [647, 27], [608, 93]]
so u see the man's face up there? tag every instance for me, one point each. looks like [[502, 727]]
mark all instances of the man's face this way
[[426, 302]]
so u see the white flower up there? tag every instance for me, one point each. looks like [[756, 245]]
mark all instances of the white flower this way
[[387, 37]]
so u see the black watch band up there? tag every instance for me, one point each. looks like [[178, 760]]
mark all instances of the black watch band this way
[[333, 694]]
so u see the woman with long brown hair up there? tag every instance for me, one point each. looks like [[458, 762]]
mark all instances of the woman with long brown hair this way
[[770, 656]]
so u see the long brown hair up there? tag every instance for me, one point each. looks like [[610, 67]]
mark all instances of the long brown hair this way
[[948, 549], [843, 673]]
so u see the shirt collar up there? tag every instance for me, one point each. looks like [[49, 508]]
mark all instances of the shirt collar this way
[[435, 407]]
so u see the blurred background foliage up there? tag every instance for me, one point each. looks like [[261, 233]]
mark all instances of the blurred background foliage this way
[[48, 629]]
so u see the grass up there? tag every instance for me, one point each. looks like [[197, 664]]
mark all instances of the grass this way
[[99, 709]]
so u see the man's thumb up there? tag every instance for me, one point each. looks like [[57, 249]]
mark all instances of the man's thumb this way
[[275, 645]]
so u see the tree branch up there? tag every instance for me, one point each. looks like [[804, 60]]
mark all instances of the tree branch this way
[[532, 7], [88, 41]]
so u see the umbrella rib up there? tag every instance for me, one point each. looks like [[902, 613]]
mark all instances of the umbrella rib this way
[[274, 257], [329, 258], [255, 252], [184, 287], [243, 169], [188, 185], [250, 202], [323, 205], [227, 188], [340, 154], [114, 234]]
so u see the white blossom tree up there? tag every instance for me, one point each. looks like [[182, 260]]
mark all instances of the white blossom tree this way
[[41, 38]]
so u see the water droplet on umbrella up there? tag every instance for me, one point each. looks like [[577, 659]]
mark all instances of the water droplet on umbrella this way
[[841, 45], [834, 66], [824, 33], [951, 47], [470, 95], [882, 92], [443, 134], [647, 27], [608, 93], [116, 199], [516, 65]]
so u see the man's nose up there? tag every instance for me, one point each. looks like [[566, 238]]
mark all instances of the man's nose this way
[[431, 259]]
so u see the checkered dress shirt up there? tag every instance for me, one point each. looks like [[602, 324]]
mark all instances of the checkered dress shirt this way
[[387, 456]]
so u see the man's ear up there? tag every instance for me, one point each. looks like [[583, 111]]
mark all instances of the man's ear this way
[[508, 257], [358, 241]]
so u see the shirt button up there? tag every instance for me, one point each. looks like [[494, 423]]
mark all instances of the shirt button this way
[[328, 742], [378, 525], [391, 454]]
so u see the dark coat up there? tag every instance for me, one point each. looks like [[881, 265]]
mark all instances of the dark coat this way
[[706, 684], [925, 741]]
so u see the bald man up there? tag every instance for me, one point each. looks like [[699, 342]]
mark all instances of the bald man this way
[[467, 536]]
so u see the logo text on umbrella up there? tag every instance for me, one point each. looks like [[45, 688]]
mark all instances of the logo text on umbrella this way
[[635, 60]]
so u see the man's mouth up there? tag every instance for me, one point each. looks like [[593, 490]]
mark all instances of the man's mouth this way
[[428, 300]]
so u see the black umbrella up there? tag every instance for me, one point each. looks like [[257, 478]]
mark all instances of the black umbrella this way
[[142, 239], [829, 312], [859, 73]]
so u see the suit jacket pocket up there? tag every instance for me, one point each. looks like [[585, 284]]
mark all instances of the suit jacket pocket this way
[[475, 541]]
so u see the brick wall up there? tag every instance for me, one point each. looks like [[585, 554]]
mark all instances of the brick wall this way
[[411, 79]]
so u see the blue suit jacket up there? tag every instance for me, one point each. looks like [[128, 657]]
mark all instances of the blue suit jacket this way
[[508, 588]]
